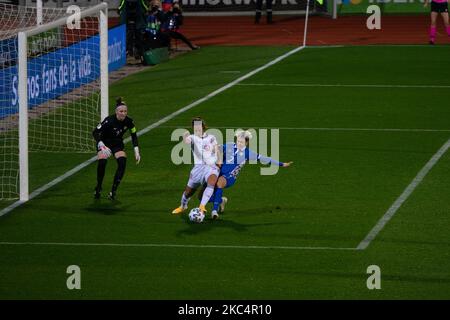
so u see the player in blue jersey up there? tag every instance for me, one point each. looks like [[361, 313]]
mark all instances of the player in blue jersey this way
[[235, 156]]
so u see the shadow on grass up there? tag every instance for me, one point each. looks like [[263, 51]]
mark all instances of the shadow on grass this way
[[209, 224], [106, 207]]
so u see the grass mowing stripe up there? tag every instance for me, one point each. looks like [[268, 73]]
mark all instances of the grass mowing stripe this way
[[403, 197], [151, 127], [165, 245], [407, 86]]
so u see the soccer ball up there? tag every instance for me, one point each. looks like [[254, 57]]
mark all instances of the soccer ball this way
[[196, 215]]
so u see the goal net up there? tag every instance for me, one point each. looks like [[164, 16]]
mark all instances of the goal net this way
[[53, 82]]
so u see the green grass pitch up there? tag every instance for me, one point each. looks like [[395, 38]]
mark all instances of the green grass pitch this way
[[350, 165]]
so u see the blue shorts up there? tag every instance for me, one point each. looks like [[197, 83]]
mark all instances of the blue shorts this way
[[230, 180]]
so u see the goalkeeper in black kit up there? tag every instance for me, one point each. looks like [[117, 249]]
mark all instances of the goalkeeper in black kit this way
[[109, 138]]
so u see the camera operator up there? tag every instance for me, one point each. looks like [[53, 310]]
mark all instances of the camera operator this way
[[132, 13], [173, 21], [154, 38]]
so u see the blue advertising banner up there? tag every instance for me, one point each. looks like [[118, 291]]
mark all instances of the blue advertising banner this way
[[117, 47], [61, 71]]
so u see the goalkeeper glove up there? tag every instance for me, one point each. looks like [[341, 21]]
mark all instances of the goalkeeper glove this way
[[105, 151], [137, 155]]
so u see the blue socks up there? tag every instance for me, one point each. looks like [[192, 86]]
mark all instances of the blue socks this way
[[217, 199]]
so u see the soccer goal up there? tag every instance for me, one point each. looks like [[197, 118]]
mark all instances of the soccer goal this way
[[54, 86]]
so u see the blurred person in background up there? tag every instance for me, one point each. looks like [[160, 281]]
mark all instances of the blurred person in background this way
[[173, 21], [133, 14], [258, 11], [167, 5], [438, 6], [154, 38]]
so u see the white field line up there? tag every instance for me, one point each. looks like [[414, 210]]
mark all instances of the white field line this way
[[377, 45], [165, 245], [403, 197], [398, 45], [329, 129], [152, 126], [399, 86]]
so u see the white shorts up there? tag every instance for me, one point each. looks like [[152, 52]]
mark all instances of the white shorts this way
[[200, 174]]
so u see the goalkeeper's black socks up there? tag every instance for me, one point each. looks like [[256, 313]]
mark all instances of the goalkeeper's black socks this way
[[97, 193], [121, 165], [101, 168]]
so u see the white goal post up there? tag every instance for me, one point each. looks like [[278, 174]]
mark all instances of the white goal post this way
[[23, 90]]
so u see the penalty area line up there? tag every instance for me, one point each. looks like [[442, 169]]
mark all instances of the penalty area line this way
[[151, 127], [166, 245], [403, 197]]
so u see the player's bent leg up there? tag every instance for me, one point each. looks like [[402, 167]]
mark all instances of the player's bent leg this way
[[217, 201], [185, 197], [221, 183], [211, 181], [120, 171], [120, 154], [434, 16], [101, 168], [258, 11], [446, 22], [222, 205], [190, 190], [269, 11], [433, 27], [200, 192]]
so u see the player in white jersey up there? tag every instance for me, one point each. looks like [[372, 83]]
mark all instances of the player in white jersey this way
[[205, 151]]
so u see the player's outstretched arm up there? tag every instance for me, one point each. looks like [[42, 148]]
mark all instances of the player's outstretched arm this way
[[287, 164], [265, 160]]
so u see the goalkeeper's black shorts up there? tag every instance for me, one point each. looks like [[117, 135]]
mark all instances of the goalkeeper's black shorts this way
[[115, 147]]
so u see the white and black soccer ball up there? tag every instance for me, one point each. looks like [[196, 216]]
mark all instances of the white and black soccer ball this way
[[196, 215]]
